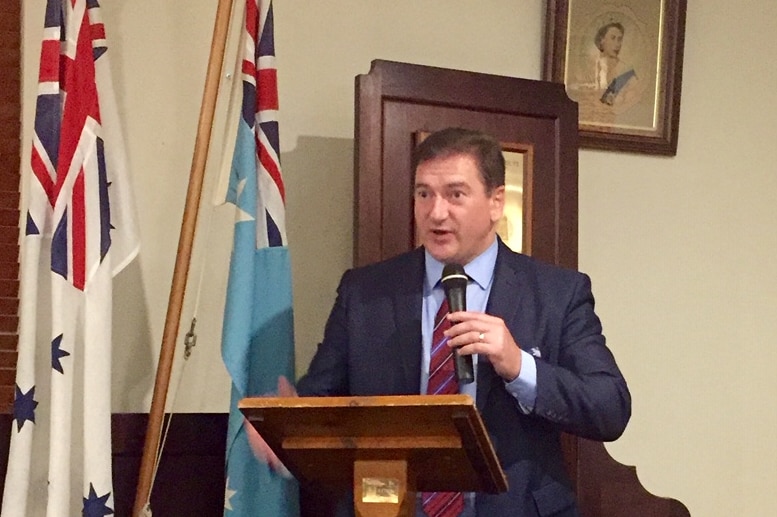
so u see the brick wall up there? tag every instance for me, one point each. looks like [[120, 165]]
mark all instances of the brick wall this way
[[10, 151]]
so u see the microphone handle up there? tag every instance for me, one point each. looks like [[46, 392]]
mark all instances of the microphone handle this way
[[464, 369], [457, 301]]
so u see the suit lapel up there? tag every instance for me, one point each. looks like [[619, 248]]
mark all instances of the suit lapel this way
[[504, 301], [407, 313], [506, 296]]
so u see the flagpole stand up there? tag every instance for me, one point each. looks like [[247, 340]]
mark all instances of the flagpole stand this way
[[384, 448]]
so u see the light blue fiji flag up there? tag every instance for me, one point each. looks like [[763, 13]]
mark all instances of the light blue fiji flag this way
[[258, 341]]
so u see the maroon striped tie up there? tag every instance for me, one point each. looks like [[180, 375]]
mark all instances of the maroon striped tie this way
[[442, 381]]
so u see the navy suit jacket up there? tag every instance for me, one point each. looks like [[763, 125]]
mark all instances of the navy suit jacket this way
[[372, 346]]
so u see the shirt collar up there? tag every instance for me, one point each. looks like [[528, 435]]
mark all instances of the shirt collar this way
[[480, 269]]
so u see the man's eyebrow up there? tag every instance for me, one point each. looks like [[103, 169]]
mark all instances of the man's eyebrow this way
[[451, 185]]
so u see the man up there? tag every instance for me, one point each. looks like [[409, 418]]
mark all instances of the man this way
[[541, 363]]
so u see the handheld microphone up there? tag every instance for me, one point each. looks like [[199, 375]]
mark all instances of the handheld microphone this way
[[454, 282]]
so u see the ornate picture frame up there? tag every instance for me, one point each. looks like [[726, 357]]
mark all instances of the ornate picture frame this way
[[621, 61]]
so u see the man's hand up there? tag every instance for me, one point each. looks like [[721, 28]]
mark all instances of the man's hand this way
[[285, 388], [259, 447], [480, 333]]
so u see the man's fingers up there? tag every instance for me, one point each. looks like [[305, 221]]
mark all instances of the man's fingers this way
[[285, 388], [259, 447], [263, 452]]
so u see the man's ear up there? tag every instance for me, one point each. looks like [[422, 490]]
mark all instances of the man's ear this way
[[497, 203]]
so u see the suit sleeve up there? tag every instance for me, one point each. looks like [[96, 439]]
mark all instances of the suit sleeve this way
[[583, 391], [327, 374]]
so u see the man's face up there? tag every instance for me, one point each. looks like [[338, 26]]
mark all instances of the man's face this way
[[612, 41], [455, 218]]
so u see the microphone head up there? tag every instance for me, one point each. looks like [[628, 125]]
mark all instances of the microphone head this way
[[453, 276], [454, 282]]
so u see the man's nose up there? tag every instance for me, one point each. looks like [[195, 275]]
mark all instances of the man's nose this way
[[439, 209]]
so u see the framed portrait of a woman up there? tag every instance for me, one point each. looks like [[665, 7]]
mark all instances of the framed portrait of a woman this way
[[621, 61]]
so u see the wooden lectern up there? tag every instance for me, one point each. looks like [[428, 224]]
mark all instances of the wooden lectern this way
[[386, 448]]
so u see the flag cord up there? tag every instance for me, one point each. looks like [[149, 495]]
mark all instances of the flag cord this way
[[165, 432], [191, 337], [190, 341]]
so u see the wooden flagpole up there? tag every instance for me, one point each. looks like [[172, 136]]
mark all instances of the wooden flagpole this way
[[183, 257]]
